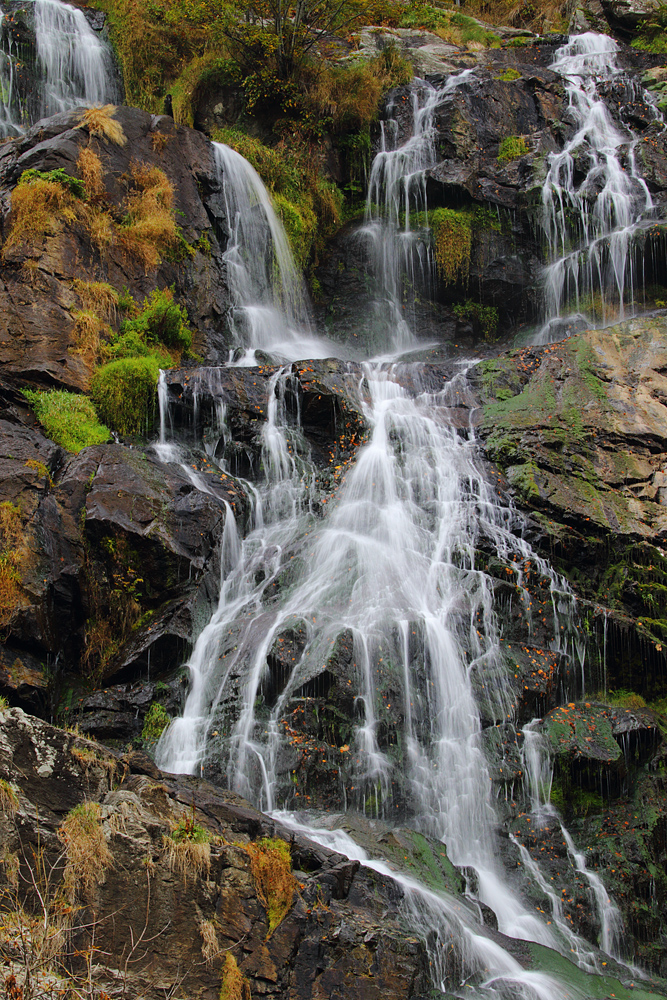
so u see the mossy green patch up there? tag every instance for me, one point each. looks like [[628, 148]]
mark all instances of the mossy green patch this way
[[511, 148], [125, 394], [68, 419]]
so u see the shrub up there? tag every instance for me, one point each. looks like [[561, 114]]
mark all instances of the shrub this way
[[86, 850], [271, 865], [452, 240], [155, 721], [161, 321], [511, 148], [59, 176], [124, 393], [67, 418], [100, 122]]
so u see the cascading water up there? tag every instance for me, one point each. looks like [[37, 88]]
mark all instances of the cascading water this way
[[590, 224], [394, 565], [72, 67], [400, 258], [269, 300]]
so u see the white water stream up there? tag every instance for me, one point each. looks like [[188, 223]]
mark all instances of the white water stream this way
[[73, 66], [393, 564], [590, 220], [401, 260]]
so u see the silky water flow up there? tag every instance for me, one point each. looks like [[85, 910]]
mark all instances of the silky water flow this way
[[72, 67], [393, 563]]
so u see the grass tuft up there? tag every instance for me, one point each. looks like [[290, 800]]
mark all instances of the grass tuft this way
[[511, 148], [100, 121], [9, 800], [67, 418], [92, 173], [125, 393], [150, 229], [38, 208], [188, 849], [88, 855], [156, 720], [234, 985]]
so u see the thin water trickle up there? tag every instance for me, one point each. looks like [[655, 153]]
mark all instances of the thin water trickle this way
[[590, 223], [400, 258]]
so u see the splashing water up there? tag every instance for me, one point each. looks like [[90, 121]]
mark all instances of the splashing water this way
[[590, 226]]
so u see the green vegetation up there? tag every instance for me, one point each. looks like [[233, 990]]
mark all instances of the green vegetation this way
[[484, 318], [124, 393], [59, 176], [68, 419], [156, 720], [234, 985], [9, 800], [188, 830], [452, 239], [508, 75], [13, 551], [511, 148], [4, 704], [652, 34]]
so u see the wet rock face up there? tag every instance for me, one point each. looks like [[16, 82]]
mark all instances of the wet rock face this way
[[579, 428], [118, 552], [342, 933]]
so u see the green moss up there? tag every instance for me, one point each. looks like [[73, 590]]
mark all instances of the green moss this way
[[68, 419], [300, 225], [124, 393], [522, 477], [508, 75], [155, 721], [59, 176], [511, 148]]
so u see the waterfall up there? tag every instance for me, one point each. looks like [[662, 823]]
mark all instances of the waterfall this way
[[269, 301], [394, 566], [72, 67], [590, 225]]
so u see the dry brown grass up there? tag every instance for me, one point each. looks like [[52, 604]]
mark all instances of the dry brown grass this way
[[234, 985], [159, 140], [98, 297], [210, 947], [90, 336], [13, 551], [187, 857], [151, 228], [100, 122], [92, 173], [519, 13], [9, 800], [39, 208], [88, 856], [271, 865]]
